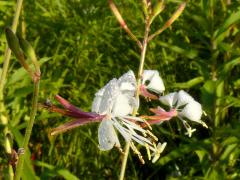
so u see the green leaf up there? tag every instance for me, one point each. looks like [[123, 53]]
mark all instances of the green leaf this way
[[215, 173], [201, 154], [191, 83], [237, 84], [189, 53], [228, 150], [227, 67], [232, 101], [233, 18], [55, 170], [208, 95]]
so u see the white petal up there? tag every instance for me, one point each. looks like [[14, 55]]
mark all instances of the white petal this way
[[97, 100], [155, 81], [183, 98], [109, 96], [192, 111], [127, 82], [169, 99], [107, 136], [159, 149], [122, 106]]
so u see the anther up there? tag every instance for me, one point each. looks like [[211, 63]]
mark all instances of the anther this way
[[148, 151], [152, 135], [21, 151]]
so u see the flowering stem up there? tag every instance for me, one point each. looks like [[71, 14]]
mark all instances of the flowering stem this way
[[122, 22], [7, 55], [175, 16], [29, 129], [140, 71]]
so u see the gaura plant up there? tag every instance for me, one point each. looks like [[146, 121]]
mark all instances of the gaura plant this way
[[23, 50], [181, 105], [116, 105], [112, 107]]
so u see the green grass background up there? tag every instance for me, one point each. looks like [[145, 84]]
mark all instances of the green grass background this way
[[81, 47]]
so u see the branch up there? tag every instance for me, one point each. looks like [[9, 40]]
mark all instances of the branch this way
[[176, 14], [122, 23]]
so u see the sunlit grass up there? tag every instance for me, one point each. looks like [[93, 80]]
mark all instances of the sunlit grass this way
[[86, 47]]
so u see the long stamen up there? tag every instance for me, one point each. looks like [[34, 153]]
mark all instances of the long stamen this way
[[152, 135], [129, 133], [132, 125], [148, 151], [188, 128], [135, 150], [122, 130]]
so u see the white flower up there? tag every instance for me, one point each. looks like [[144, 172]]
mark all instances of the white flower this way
[[159, 149], [186, 107], [127, 83], [152, 80], [107, 136], [116, 100]]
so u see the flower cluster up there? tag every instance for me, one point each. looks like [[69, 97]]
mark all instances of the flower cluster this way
[[116, 100], [113, 107], [181, 105]]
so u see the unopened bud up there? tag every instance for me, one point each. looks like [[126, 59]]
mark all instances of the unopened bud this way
[[12, 41], [159, 6], [29, 52]]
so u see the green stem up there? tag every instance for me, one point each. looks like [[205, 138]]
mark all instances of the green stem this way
[[28, 130], [139, 77], [7, 55]]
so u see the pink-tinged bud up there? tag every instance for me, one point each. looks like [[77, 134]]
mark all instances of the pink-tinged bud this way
[[74, 124], [146, 94], [160, 116], [80, 117], [74, 111]]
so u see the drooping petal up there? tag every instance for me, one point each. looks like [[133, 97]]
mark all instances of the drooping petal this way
[[169, 99], [73, 124], [107, 136], [183, 98], [155, 81], [72, 110], [192, 111]]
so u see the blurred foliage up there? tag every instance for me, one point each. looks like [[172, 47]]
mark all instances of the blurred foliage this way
[[82, 47]]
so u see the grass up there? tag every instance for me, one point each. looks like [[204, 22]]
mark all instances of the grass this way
[[82, 47]]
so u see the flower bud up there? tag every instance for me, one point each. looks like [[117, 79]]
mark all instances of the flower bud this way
[[29, 52], [13, 42]]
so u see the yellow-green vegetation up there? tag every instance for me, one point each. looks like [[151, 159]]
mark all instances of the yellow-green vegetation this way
[[80, 47]]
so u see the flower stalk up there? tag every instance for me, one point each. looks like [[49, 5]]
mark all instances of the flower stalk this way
[[150, 14], [139, 77], [22, 48], [175, 16], [29, 129], [122, 23], [6, 61]]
